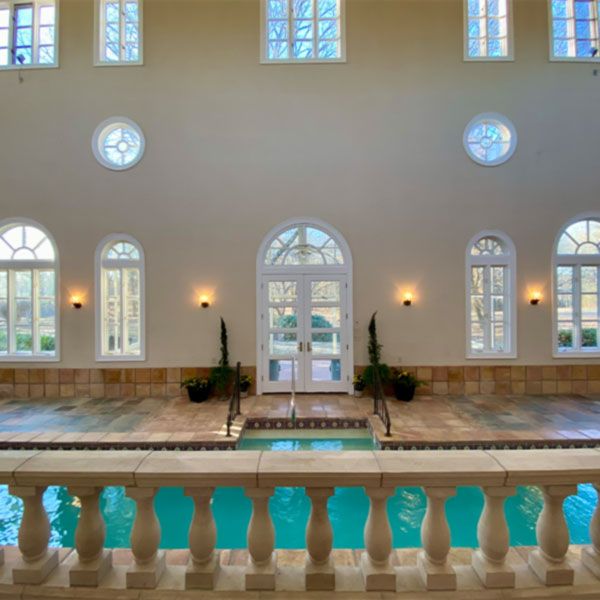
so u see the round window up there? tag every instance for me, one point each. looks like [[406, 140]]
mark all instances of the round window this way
[[490, 139], [118, 143]]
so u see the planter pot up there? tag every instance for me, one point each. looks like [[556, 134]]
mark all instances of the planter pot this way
[[358, 393], [198, 395], [243, 393], [404, 391]]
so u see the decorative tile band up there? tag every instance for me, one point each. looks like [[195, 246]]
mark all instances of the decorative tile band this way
[[166, 382]]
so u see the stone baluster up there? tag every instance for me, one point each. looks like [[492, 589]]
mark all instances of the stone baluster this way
[[37, 561], [262, 562], [435, 571], [319, 573], [489, 562], [92, 561], [591, 554], [548, 561], [149, 562], [378, 573], [203, 566]]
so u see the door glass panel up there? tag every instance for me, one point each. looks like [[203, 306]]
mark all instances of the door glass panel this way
[[476, 337], [565, 335], [477, 274], [498, 280], [283, 317], [589, 306], [589, 334], [326, 317], [283, 291], [589, 280], [565, 306], [564, 279], [283, 344], [326, 343], [281, 370], [325, 291], [326, 370], [24, 311]]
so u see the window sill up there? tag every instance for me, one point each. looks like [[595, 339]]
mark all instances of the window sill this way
[[492, 356], [28, 67], [118, 358], [334, 61], [28, 359], [576, 354], [119, 64], [574, 59], [491, 59]]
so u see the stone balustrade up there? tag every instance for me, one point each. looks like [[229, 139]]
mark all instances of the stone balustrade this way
[[439, 473]]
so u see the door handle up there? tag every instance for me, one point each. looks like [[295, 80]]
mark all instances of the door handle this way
[[308, 347], [299, 346]]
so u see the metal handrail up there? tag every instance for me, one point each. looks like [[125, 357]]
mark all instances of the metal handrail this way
[[380, 407], [234, 402]]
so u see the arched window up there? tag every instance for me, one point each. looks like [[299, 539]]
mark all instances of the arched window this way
[[576, 302], [491, 307], [120, 299], [28, 293]]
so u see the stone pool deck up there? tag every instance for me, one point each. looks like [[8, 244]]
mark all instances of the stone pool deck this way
[[427, 422]]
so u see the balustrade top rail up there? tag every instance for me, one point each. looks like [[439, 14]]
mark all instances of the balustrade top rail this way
[[371, 469]]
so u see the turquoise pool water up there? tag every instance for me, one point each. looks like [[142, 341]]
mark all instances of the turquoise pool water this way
[[290, 508]]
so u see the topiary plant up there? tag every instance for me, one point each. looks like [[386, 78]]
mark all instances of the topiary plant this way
[[221, 376], [375, 364]]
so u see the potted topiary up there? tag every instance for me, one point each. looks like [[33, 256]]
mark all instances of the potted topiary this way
[[221, 376], [359, 385], [375, 365], [405, 385], [198, 388], [245, 384]]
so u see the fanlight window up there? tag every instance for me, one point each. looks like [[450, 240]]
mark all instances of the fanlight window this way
[[490, 298], [28, 289], [304, 245], [121, 297], [576, 289]]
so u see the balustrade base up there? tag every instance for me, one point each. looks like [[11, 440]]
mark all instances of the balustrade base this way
[[591, 559], [34, 573], [550, 573], [202, 577], [146, 577], [88, 574], [492, 575], [319, 577], [261, 577], [436, 577], [377, 578]]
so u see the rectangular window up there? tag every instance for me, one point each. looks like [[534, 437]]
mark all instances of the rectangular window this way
[[488, 30], [574, 29], [303, 31], [28, 34], [119, 32]]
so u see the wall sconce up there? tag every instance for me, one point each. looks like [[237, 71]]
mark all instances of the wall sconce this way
[[535, 298], [76, 302], [407, 299], [204, 301]]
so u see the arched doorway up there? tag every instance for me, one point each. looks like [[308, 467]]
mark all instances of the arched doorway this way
[[304, 309]]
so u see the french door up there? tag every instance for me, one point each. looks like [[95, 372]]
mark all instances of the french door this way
[[304, 322]]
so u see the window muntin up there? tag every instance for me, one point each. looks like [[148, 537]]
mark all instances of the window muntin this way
[[118, 143], [28, 34], [575, 29], [490, 299], [121, 298], [303, 30], [488, 29], [28, 294], [490, 139], [119, 25], [303, 245], [577, 301]]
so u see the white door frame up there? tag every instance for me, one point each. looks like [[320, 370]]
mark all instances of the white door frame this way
[[345, 269]]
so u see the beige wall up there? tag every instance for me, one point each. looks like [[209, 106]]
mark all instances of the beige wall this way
[[373, 147]]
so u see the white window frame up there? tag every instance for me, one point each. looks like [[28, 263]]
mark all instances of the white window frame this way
[[506, 122], [568, 260], [510, 56], [99, 36], [510, 262], [103, 130], [35, 265], [100, 264], [264, 42], [37, 4], [575, 59]]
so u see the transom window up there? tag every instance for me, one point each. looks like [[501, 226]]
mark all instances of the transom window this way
[[577, 270], [118, 143], [120, 299], [303, 245], [488, 30], [303, 30], [491, 307], [28, 294], [575, 33], [119, 32], [490, 139], [28, 34]]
